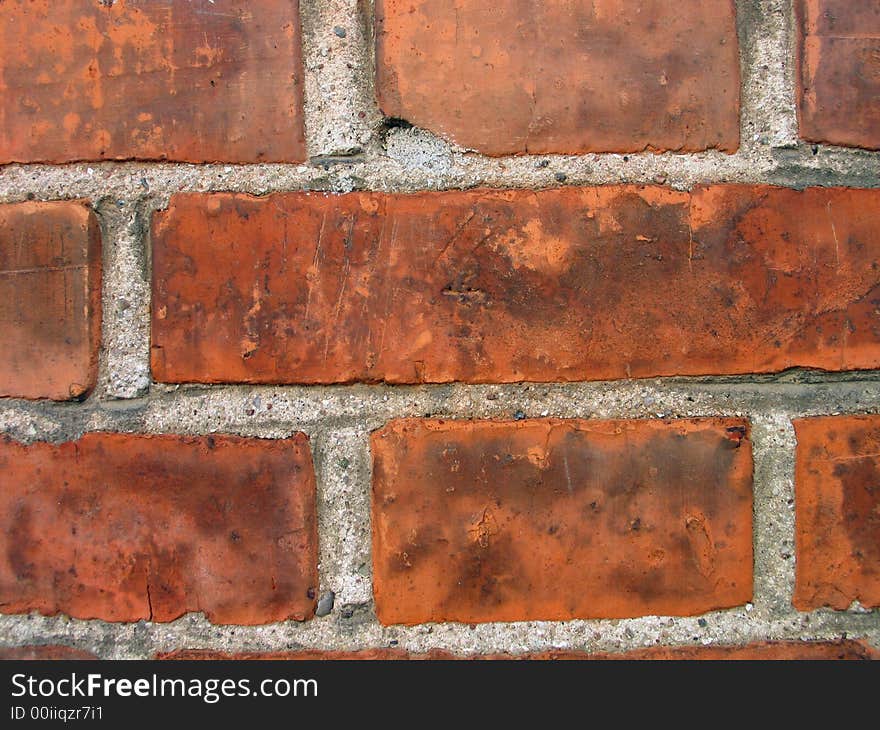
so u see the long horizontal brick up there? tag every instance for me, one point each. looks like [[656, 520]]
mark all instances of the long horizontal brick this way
[[191, 80], [44, 652], [122, 528], [50, 299], [774, 651], [562, 76], [553, 519], [839, 72], [506, 286], [837, 485]]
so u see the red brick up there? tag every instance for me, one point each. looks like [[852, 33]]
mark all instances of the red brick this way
[[64, 653], [553, 520], [562, 76], [798, 650], [122, 528], [506, 286], [50, 300], [839, 72], [837, 484], [191, 80]]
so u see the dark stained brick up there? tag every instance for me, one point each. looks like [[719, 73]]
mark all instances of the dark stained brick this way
[[50, 651], [50, 300], [122, 528], [837, 485], [555, 519], [839, 63]]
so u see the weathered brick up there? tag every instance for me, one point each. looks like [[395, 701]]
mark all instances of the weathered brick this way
[[798, 650], [553, 519], [507, 286], [562, 76], [837, 485], [191, 80], [51, 651], [122, 528], [839, 72], [50, 300]]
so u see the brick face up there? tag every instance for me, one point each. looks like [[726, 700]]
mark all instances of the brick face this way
[[377, 222], [562, 76], [190, 80], [42, 653], [123, 528], [839, 63], [838, 512], [553, 519], [50, 300], [506, 286]]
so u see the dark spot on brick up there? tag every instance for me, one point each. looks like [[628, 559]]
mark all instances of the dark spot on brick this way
[[860, 479]]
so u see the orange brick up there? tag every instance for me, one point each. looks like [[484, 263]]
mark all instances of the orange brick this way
[[837, 484], [50, 300], [839, 65], [190, 80], [122, 528], [561, 76], [489, 286], [553, 520]]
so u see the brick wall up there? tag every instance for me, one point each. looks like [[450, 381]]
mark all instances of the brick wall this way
[[439, 329]]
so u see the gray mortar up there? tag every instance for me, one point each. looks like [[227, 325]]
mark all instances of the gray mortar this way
[[767, 50], [124, 367], [341, 463], [773, 521], [351, 148], [340, 111]]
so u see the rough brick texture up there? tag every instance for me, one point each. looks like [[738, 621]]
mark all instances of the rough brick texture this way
[[839, 62], [506, 286], [837, 487], [560, 76], [553, 519], [123, 528], [192, 80], [386, 223], [50, 300], [798, 650], [29, 653]]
